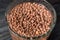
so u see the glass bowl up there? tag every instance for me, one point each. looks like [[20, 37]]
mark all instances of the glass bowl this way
[[16, 36]]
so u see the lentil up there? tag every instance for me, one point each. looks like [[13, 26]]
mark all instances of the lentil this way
[[30, 19]]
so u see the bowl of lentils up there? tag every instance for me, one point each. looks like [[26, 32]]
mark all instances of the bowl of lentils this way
[[30, 19]]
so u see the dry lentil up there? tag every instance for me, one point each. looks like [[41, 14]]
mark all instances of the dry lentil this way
[[30, 19]]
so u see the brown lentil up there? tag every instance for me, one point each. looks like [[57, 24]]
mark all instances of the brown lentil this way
[[30, 19]]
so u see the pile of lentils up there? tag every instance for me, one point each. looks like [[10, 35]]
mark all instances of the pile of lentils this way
[[30, 19]]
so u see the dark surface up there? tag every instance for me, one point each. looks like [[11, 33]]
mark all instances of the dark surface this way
[[54, 1], [4, 32]]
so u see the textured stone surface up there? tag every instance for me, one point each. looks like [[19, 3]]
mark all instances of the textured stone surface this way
[[4, 33]]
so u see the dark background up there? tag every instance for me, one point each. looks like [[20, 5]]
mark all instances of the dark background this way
[[4, 33]]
